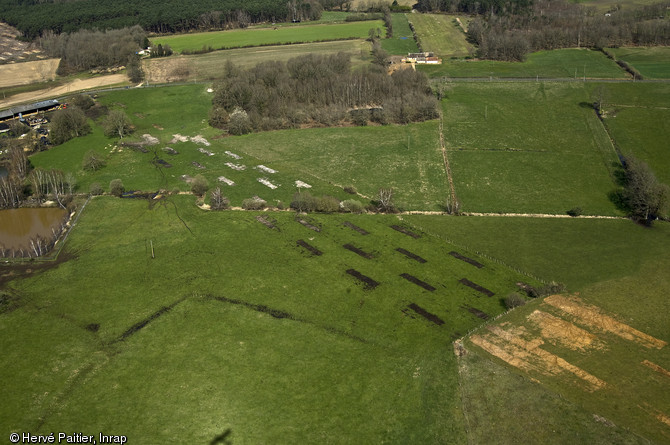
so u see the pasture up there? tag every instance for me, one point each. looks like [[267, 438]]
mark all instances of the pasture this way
[[652, 63], [441, 34], [561, 63], [268, 36], [528, 148], [238, 322], [578, 252], [402, 41], [637, 117], [406, 158], [208, 66]]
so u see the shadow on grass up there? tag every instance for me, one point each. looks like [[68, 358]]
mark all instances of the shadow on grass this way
[[223, 438]]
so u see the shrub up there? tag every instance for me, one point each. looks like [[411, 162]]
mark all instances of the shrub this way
[[218, 117], [514, 300], [328, 204], [83, 101], [551, 289], [116, 187], [352, 206], [351, 190], [576, 211], [96, 189], [199, 185], [92, 161], [239, 122], [280, 205], [304, 202], [254, 203]]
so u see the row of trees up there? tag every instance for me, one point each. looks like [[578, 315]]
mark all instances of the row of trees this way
[[509, 29], [33, 17], [318, 89]]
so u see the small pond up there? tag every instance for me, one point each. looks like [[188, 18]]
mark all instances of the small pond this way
[[19, 226]]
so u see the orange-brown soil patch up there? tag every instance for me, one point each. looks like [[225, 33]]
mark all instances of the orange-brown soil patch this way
[[561, 332], [592, 316], [511, 345], [656, 368]]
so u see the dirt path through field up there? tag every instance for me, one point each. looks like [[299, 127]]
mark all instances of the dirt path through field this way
[[64, 90]]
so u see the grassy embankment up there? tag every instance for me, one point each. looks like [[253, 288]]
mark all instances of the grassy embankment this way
[[268, 36]]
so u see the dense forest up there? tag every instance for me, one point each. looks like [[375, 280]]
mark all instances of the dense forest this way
[[32, 17], [318, 90]]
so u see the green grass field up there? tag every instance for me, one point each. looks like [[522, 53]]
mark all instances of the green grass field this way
[[234, 332], [326, 158], [402, 41], [652, 63], [529, 148], [560, 63], [268, 36], [637, 119], [346, 361], [441, 34], [578, 252], [208, 66]]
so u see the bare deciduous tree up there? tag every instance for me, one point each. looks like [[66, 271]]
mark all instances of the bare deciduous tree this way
[[117, 124], [385, 198]]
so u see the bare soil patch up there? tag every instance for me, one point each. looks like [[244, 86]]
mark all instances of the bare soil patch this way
[[309, 247], [476, 312], [425, 314], [269, 224], [67, 89], [308, 225], [466, 259], [518, 348], [476, 287], [358, 251], [406, 231], [415, 280], [562, 332], [367, 281], [13, 50], [411, 255], [356, 228], [25, 73], [593, 317]]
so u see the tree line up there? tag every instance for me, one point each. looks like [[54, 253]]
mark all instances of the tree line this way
[[86, 49], [319, 90], [33, 17], [510, 29]]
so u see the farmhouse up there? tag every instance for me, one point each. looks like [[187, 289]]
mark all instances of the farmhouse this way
[[25, 110], [427, 58]]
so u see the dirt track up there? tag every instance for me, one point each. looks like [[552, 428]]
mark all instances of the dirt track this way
[[64, 90]]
